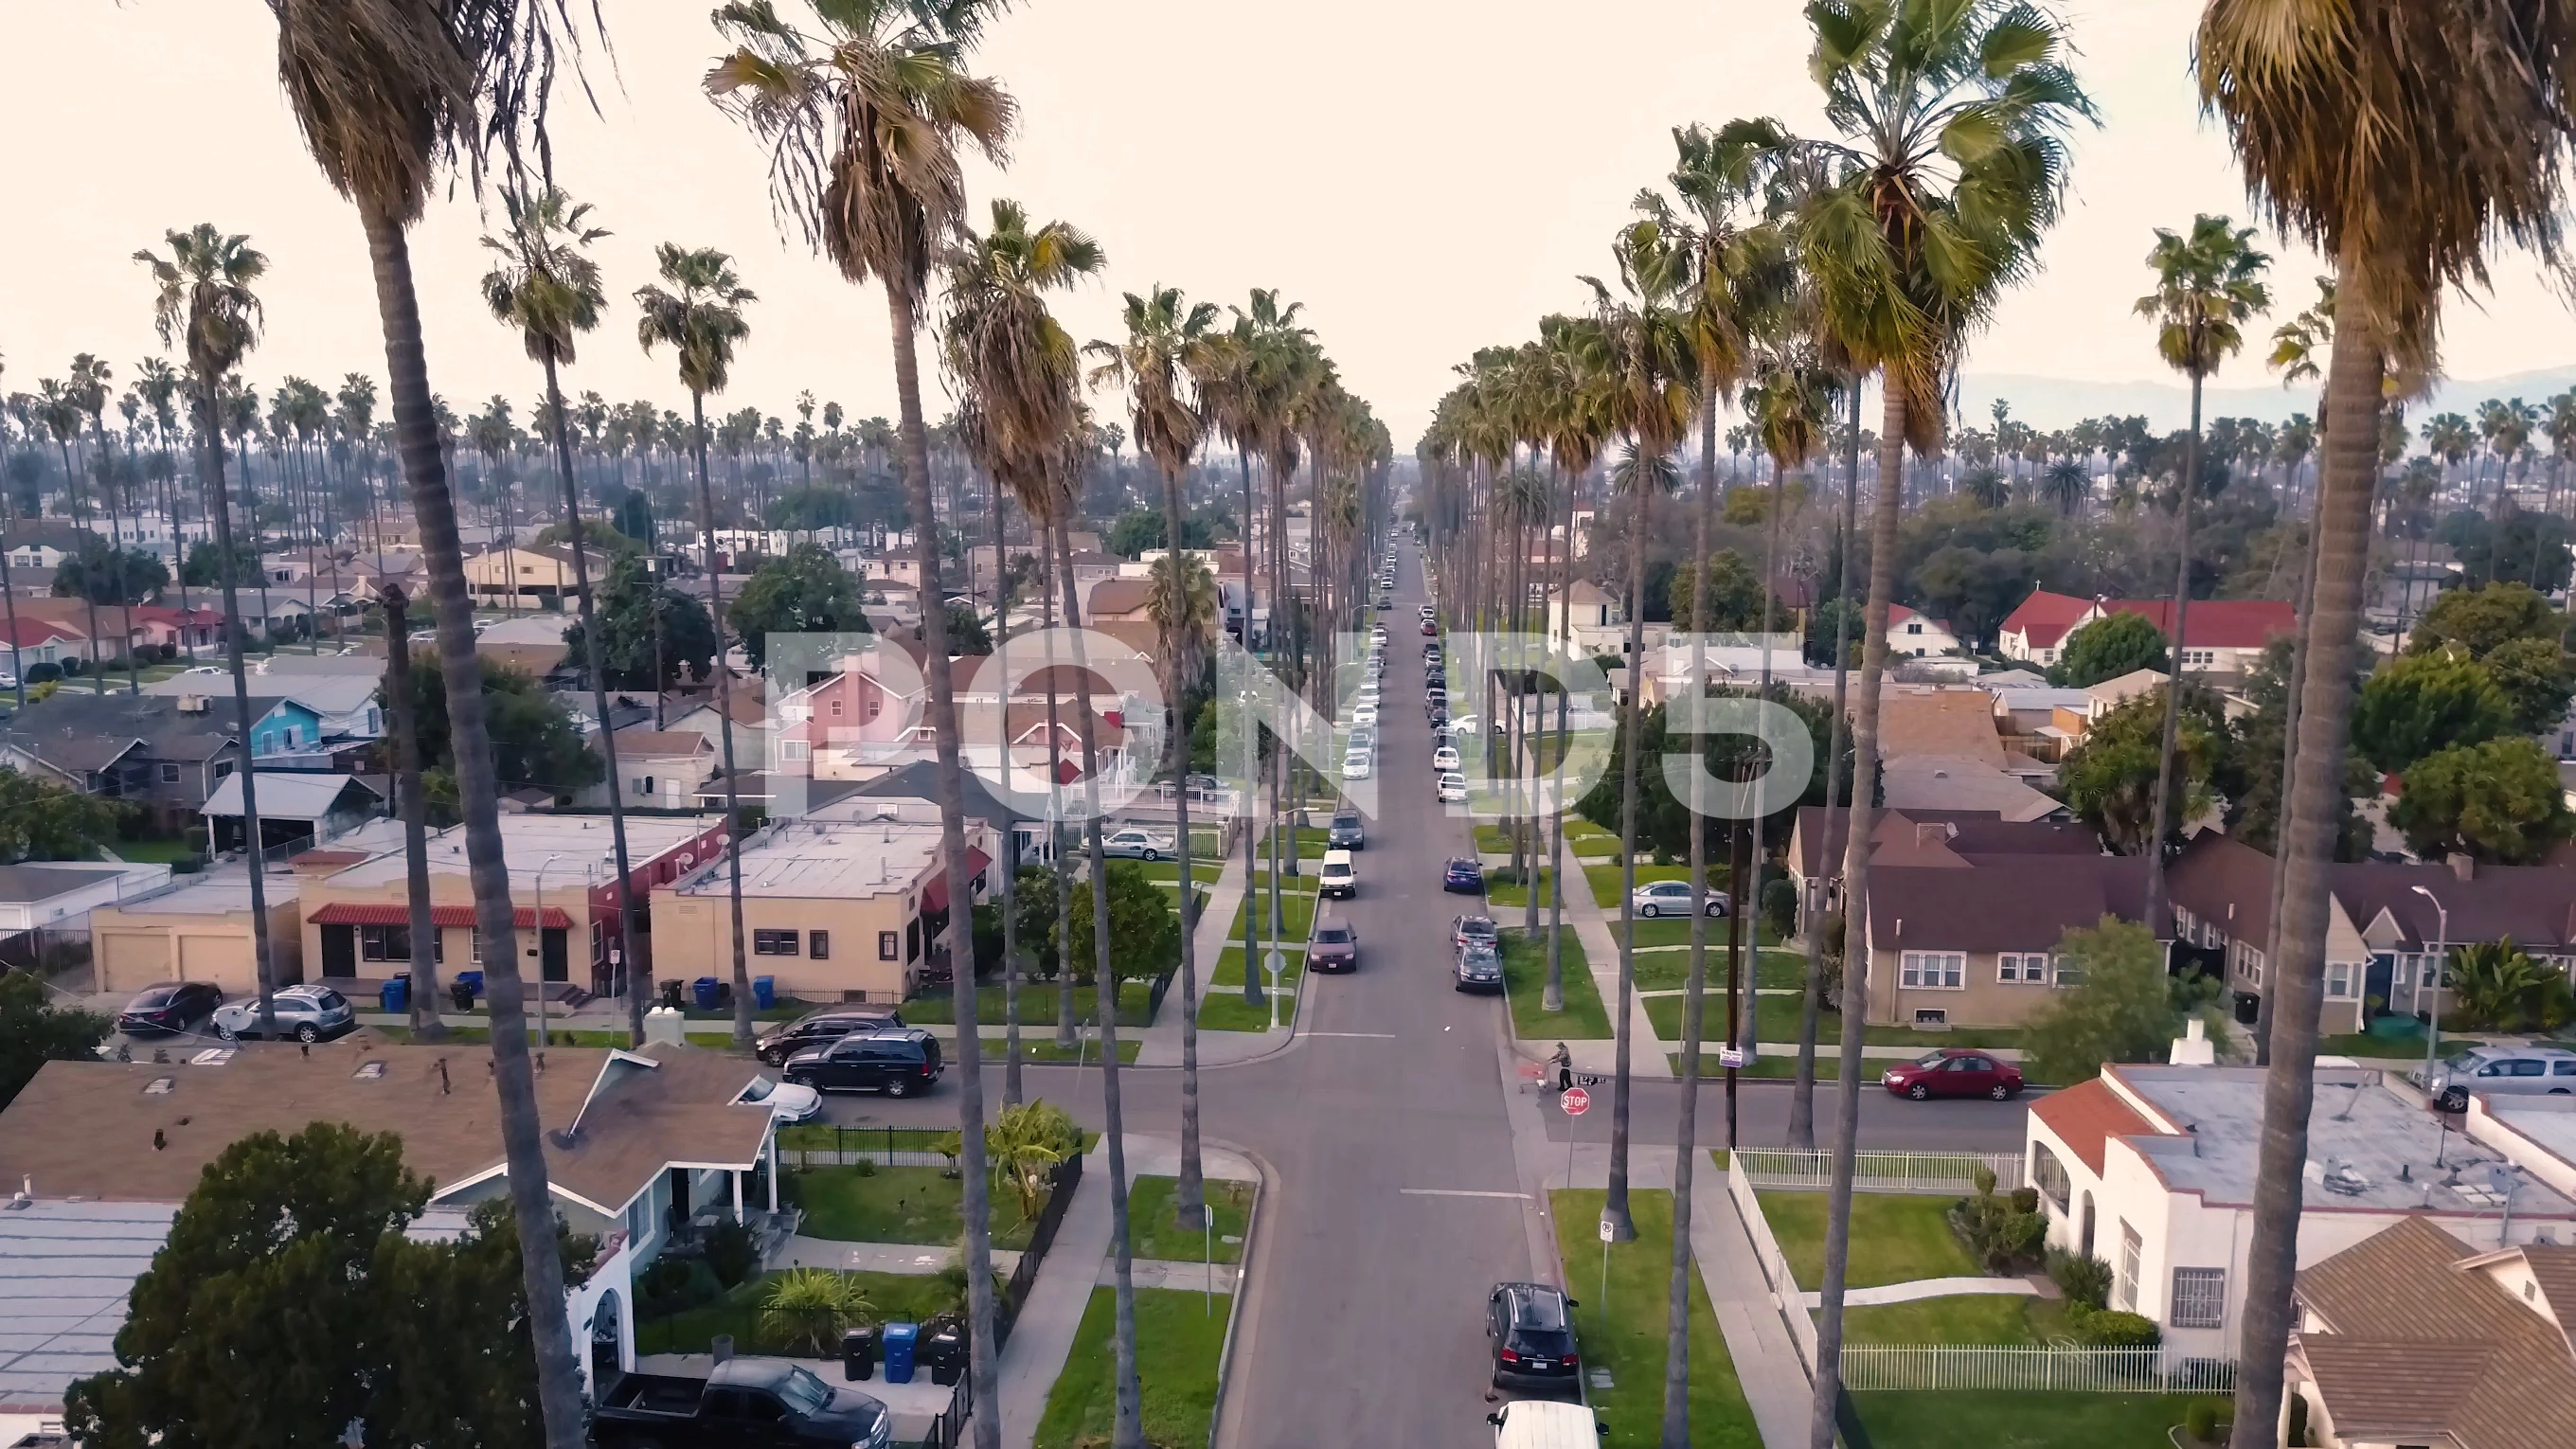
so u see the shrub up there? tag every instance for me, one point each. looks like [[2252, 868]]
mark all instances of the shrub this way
[[186, 865], [731, 1253], [806, 1310], [1780, 905], [2086, 1281], [1998, 1231], [2206, 1421], [675, 1285], [44, 672], [2025, 1199], [2110, 1328]]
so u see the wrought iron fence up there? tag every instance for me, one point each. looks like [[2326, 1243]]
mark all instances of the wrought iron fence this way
[[825, 1145], [948, 1428]]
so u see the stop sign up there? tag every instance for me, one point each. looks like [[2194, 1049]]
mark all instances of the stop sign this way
[[1575, 1101]]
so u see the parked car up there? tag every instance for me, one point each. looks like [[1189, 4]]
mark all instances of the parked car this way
[[1463, 873], [1546, 1424], [1672, 898], [1530, 1330], [1336, 946], [1444, 758], [1453, 789], [788, 1102], [1430, 628], [306, 1013], [1479, 968], [897, 1063], [1356, 764], [1465, 931], [169, 1009], [1339, 876], [1346, 832], [1953, 1072], [2506, 1070], [820, 1028], [1135, 844], [747, 1403], [1364, 714]]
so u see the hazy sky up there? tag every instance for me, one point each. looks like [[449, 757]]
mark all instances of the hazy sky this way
[[1426, 176]]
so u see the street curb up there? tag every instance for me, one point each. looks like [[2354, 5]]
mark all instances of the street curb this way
[[1243, 1286]]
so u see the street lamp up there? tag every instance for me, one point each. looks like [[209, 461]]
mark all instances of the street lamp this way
[[537, 917], [2441, 951]]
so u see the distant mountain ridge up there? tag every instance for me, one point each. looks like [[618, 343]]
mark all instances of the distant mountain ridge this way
[[2055, 402]]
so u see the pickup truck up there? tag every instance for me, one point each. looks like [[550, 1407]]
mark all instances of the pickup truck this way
[[745, 1405]]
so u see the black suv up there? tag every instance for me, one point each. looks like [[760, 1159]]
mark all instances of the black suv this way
[[820, 1028], [1346, 832], [897, 1062], [1531, 1332]]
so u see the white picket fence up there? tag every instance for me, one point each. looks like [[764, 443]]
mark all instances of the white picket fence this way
[[1925, 1172], [2053, 1368], [1775, 1266]]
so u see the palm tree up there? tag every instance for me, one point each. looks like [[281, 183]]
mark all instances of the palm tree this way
[[1569, 382], [2065, 483], [1167, 345], [699, 317], [547, 287], [206, 308], [58, 407], [868, 119], [2208, 284], [1956, 116], [2468, 109], [88, 391]]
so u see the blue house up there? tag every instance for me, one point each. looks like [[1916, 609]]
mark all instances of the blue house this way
[[286, 728]]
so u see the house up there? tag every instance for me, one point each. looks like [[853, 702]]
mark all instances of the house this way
[[533, 644], [1955, 939], [33, 641], [2153, 1170], [200, 927], [2225, 636], [525, 573], [2386, 922], [179, 630], [1958, 782], [657, 770], [305, 807], [43, 895], [835, 903], [2037, 627], [1911, 635], [1586, 620], [2032, 718], [2411, 1336], [638, 1144], [1954, 723], [753, 725], [43, 545], [1120, 600], [563, 888], [163, 754], [1816, 844]]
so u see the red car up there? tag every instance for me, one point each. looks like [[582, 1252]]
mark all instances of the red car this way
[[1430, 628], [1954, 1072]]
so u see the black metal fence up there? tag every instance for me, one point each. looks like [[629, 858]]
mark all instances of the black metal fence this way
[[826, 1145], [948, 1429]]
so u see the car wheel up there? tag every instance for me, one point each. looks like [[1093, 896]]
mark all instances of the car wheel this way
[[1999, 1092], [899, 1087], [1918, 1091], [226, 1032], [1152, 854], [1648, 909], [795, 1080], [308, 1033], [2455, 1101], [1717, 908]]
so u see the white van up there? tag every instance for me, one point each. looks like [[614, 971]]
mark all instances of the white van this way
[[1545, 1424], [1340, 877]]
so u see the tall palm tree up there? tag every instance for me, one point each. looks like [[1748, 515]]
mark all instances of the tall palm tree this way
[[1952, 165], [204, 306], [546, 285], [869, 118], [1168, 343], [386, 97], [88, 389], [59, 408], [1574, 424], [2208, 284], [699, 317], [2468, 111]]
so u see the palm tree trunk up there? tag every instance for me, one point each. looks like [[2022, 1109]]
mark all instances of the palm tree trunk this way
[[9, 600], [1251, 787], [1010, 828], [948, 784], [1614, 1205], [2346, 480], [2163, 821], [1067, 1035], [724, 727], [478, 790], [637, 976], [426, 1023], [2305, 607], [1750, 899], [1189, 1196], [89, 587], [1129, 1432], [116, 546], [1802, 1096], [263, 954], [1885, 510], [1552, 995], [1676, 1427]]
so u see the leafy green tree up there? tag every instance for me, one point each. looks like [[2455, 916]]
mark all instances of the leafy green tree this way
[[2124, 1007], [1140, 529], [1734, 593], [2499, 987], [2110, 647], [1144, 929], [634, 516], [811, 507], [534, 739], [2537, 681], [33, 1031], [805, 592], [2110, 779], [599, 536], [966, 632], [204, 566], [2254, 804], [106, 575], [41, 820], [2419, 703], [2499, 801], [2514, 632], [1975, 590], [1822, 630], [1663, 825], [686, 643], [1033, 897]]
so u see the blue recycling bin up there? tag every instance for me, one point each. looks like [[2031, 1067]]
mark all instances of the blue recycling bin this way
[[764, 991], [396, 995], [469, 982], [705, 988], [900, 1339]]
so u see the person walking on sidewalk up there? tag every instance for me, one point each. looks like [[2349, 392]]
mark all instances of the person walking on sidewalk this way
[[1564, 1061]]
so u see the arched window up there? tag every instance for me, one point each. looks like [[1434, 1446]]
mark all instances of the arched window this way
[[2049, 1175]]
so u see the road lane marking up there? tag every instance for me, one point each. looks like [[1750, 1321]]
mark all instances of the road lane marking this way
[[1458, 1192]]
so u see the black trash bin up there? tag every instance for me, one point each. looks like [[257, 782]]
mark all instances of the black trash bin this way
[[671, 993], [462, 993], [943, 1347], [2249, 1007], [859, 1354]]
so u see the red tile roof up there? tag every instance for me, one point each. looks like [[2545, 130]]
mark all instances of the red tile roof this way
[[362, 913], [2087, 1115], [2044, 618], [2216, 623]]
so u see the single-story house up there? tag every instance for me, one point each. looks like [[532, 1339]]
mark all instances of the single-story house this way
[[306, 805], [42, 894], [1817, 844], [657, 769], [1913, 635], [1971, 940], [2223, 636]]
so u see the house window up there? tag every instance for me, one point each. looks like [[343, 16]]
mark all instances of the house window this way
[[390, 943], [644, 785], [818, 944], [2049, 1175], [1913, 628], [836, 709], [2253, 966], [1934, 970], [2199, 1298], [639, 1217], [889, 945], [2339, 981], [794, 750], [223, 768], [2132, 1247], [773, 943], [474, 946], [2029, 966], [169, 774], [2063, 974]]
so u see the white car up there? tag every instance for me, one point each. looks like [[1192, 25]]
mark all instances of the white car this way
[[1671, 898], [1365, 714], [1545, 1424], [1453, 787], [1444, 758], [788, 1102], [1465, 724], [307, 1013], [1133, 844], [1356, 765]]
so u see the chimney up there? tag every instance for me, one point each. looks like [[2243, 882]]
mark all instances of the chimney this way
[[2464, 865]]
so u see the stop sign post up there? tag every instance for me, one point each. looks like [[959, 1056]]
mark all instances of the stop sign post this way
[[1575, 1101]]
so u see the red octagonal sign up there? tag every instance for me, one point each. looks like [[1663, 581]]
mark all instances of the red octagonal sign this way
[[1575, 1101]]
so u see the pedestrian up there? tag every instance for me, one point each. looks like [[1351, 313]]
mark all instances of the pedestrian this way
[[1564, 1067]]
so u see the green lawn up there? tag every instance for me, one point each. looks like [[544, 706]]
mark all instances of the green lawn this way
[[1226, 1010], [1589, 840], [894, 1297], [1229, 967], [897, 1205], [1525, 976], [1041, 1047], [1976, 1419], [1895, 1238], [157, 852], [1606, 887], [1675, 930], [478, 1035], [1296, 913], [1153, 1235], [1202, 870], [2362, 1044], [1966, 1318], [1670, 970], [1776, 1020], [1622, 1330], [1178, 1345], [1310, 844], [1037, 1005], [1510, 896]]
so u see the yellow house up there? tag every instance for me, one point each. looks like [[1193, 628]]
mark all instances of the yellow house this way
[[525, 573], [200, 928]]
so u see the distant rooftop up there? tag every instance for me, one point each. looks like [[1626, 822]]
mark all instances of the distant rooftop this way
[[809, 857], [580, 843], [2368, 1148], [225, 886]]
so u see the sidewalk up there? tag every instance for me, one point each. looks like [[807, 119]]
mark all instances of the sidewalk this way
[[1649, 1055], [1775, 1379]]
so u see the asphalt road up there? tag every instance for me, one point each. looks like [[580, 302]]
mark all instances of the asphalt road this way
[[1395, 1205]]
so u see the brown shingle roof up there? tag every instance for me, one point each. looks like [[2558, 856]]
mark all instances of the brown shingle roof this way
[[1957, 722], [2001, 903], [2533, 904], [2087, 1115], [1114, 598], [1965, 832]]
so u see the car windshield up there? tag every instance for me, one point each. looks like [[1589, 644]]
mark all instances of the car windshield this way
[[803, 1393], [1542, 1311], [1477, 928], [328, 999], [1346, 821], [1480, 954], [759, 1090], [157, 996], [1333, 935], [1931, 1059]]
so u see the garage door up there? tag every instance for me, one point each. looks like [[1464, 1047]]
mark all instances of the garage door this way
[[224, 960], [131, 960]]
